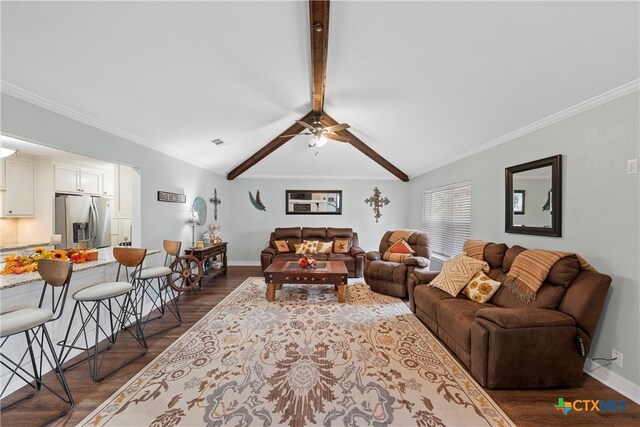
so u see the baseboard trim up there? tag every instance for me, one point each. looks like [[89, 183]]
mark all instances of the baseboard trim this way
[[612, 380], [244, 263]]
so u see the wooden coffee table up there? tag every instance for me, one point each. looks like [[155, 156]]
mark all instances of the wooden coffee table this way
[[326, 273]]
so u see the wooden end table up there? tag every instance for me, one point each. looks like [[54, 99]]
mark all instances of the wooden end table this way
[[326, 273], [205, 254]]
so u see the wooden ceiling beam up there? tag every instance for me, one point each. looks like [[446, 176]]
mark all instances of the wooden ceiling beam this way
[[327, 120], [319, 26], [272, 146]]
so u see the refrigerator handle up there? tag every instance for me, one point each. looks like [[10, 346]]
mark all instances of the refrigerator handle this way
[[93, 222]]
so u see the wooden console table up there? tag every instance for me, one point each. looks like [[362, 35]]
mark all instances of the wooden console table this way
[[205, 255]]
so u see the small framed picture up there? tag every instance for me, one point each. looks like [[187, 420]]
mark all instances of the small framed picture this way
[[518, 202]]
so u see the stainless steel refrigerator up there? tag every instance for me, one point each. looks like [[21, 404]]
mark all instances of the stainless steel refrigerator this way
[[83, 219]]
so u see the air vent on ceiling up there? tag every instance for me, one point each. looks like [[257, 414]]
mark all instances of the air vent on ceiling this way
[[218, 142]]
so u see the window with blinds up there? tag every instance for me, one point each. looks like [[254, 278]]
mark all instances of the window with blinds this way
[[446, 217]]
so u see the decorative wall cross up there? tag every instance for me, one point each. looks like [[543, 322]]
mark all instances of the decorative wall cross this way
[[215, 202], [377, 202]]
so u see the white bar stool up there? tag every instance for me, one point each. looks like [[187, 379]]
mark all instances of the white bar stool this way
[[32, 321], [162, 296], [90, 301]]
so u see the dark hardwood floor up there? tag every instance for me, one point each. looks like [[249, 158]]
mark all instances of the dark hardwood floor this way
[[524, 407]]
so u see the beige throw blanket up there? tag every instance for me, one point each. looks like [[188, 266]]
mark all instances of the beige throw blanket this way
[[401, 234], [475, 248], [393, 257], [531, 267]]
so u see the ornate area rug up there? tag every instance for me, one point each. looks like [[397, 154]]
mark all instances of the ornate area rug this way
[[304, 359]]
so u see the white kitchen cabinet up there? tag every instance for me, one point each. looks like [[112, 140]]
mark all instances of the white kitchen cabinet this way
[[77, 180], [124, 192], [2, 167], [66, 179], [120, 230], [90, 182], [108, 185], [17, 199]]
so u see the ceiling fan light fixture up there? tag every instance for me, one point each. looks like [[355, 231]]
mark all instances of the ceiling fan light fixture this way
[[321, 141]]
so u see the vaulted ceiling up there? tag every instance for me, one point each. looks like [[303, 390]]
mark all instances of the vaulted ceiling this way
[[420, 82]]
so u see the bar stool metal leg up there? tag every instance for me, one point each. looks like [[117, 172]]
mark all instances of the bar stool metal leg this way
[[35, 379], [94, 351], [163, 297], [89, 304]]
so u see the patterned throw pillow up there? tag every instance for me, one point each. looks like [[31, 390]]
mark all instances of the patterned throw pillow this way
[[282, 246], [401, 247], [457, 272], [481, 288], [341, 246], [308, 247], [325, 247]]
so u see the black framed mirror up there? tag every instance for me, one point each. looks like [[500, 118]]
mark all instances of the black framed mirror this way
[[538, 186], [313, 202]]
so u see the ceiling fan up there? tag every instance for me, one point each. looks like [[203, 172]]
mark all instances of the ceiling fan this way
[[317, 123], [321, 133]]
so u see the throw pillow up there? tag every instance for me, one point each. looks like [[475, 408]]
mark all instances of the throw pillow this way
[[282, 246], [481, 288], [457, 272], [401, 247], [325, 247], [341, 246], [308, 247]]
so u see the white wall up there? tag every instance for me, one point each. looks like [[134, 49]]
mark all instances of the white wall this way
[[251, 227], [155, 221], [600, 208]]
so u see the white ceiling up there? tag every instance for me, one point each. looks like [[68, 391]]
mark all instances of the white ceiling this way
[[420, 82]]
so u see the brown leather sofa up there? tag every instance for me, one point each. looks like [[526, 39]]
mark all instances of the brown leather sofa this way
[[506, 343], [390, 278], [354, 260]]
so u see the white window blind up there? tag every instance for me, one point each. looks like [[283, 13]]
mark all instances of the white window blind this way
[[446, 217]]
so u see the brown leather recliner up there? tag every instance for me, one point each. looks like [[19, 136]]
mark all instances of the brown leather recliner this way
[[506, 343], [353, 260], [389, 277]]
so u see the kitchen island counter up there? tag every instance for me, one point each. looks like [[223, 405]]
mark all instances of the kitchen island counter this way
[[105, 257]]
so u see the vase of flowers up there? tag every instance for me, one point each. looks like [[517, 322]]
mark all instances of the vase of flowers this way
[[307, 262]]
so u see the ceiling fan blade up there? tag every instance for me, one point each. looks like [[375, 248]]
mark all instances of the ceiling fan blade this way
[[307, 125], [335, 137], [295, 134], [336, 128]]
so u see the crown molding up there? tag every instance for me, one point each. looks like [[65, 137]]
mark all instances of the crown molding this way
[[579, 108], [32, 98]]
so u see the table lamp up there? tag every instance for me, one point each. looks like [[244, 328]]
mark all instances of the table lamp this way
[[194, 219]]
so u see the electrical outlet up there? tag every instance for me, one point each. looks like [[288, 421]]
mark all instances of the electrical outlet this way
[[632, 166], [615, 354]]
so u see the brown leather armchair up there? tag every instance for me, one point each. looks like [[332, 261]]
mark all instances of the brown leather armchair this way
[[389, 277]]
